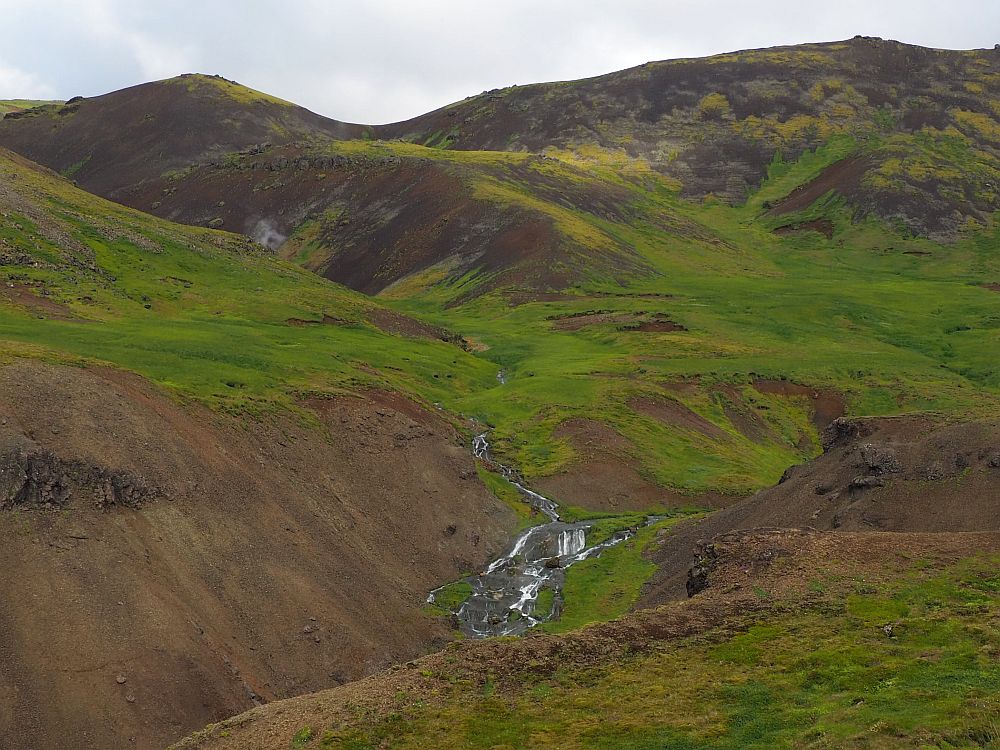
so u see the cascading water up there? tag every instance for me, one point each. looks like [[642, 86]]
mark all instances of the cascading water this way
[[505, 597]]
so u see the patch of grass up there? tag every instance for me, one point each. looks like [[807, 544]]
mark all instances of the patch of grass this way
[[302, 738], [605, 587], [449, 598], [527, 516]]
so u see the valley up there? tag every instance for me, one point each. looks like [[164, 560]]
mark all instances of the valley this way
[[686, 376]]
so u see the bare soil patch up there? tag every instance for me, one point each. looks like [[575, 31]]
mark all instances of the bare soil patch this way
[[823, 226], [606, 475], [34, 299], [675, 414], [843, 176], [827, 405]]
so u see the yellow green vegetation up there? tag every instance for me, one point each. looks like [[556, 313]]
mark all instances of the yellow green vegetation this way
[[203, 84], [714, 106], [909, 663]]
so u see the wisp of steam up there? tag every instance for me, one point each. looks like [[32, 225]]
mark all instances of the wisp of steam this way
[[266, 233]]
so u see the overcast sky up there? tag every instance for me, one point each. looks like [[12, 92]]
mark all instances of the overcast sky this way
[[377, 61]]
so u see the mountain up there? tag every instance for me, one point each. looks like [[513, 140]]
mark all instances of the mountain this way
[[683, 301], [925, 120], [111, 142], [463, 193], [214, 477]]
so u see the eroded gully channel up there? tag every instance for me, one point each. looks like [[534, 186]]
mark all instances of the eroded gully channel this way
[[505, 596]]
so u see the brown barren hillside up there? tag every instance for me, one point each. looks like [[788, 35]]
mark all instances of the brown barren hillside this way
[[887, 474], [107, 143], [165, 566]]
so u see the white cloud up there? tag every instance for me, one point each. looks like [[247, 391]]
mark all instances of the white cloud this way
[[19, 84], [383, 60]]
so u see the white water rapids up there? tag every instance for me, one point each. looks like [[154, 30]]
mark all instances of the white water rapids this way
[[505, 596]]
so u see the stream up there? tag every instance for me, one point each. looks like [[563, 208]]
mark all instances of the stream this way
[[505, 596]]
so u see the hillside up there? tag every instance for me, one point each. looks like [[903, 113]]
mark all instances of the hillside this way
[[715, 124], [111, 142], [7, 106], [684, 301], [214, 475], [205, 151], [800, 639]]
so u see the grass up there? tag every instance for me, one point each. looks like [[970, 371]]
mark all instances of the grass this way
[[605, 587], [449, 598], [821, 675], [894, 323], [527, 516]]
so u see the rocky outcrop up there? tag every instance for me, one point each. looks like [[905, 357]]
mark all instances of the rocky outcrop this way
[[36, 479]]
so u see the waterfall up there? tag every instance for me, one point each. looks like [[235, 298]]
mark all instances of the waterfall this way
[[504, 594], [572, 541]]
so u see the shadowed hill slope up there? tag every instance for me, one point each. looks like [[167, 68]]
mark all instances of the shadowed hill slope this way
[[164, 566], [891, 474], [111, 142], [716, 123]]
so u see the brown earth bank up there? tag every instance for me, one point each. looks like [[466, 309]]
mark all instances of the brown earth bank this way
[[844, 177], [780, 562], [824, 227], [164, 566], [876, 474], [605, 475]]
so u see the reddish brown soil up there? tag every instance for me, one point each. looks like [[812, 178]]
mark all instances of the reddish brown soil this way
[[743, 416], [676, 414], [843, 177], [267, 558], [826, 405], [30, 297], [605, 475], [993, 287], [823, 226], [326, 320], [742, 565], [399, 324], [892, 474], [659, 324]]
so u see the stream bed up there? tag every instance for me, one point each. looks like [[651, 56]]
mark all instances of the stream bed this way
[[505, 597]]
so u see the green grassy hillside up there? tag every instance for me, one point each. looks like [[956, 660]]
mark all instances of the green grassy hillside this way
[[207, 314]]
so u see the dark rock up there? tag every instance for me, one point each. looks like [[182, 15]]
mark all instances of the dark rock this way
[[705, 556], [880, 460], [36, 478], [935, 471], [553, 562]]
